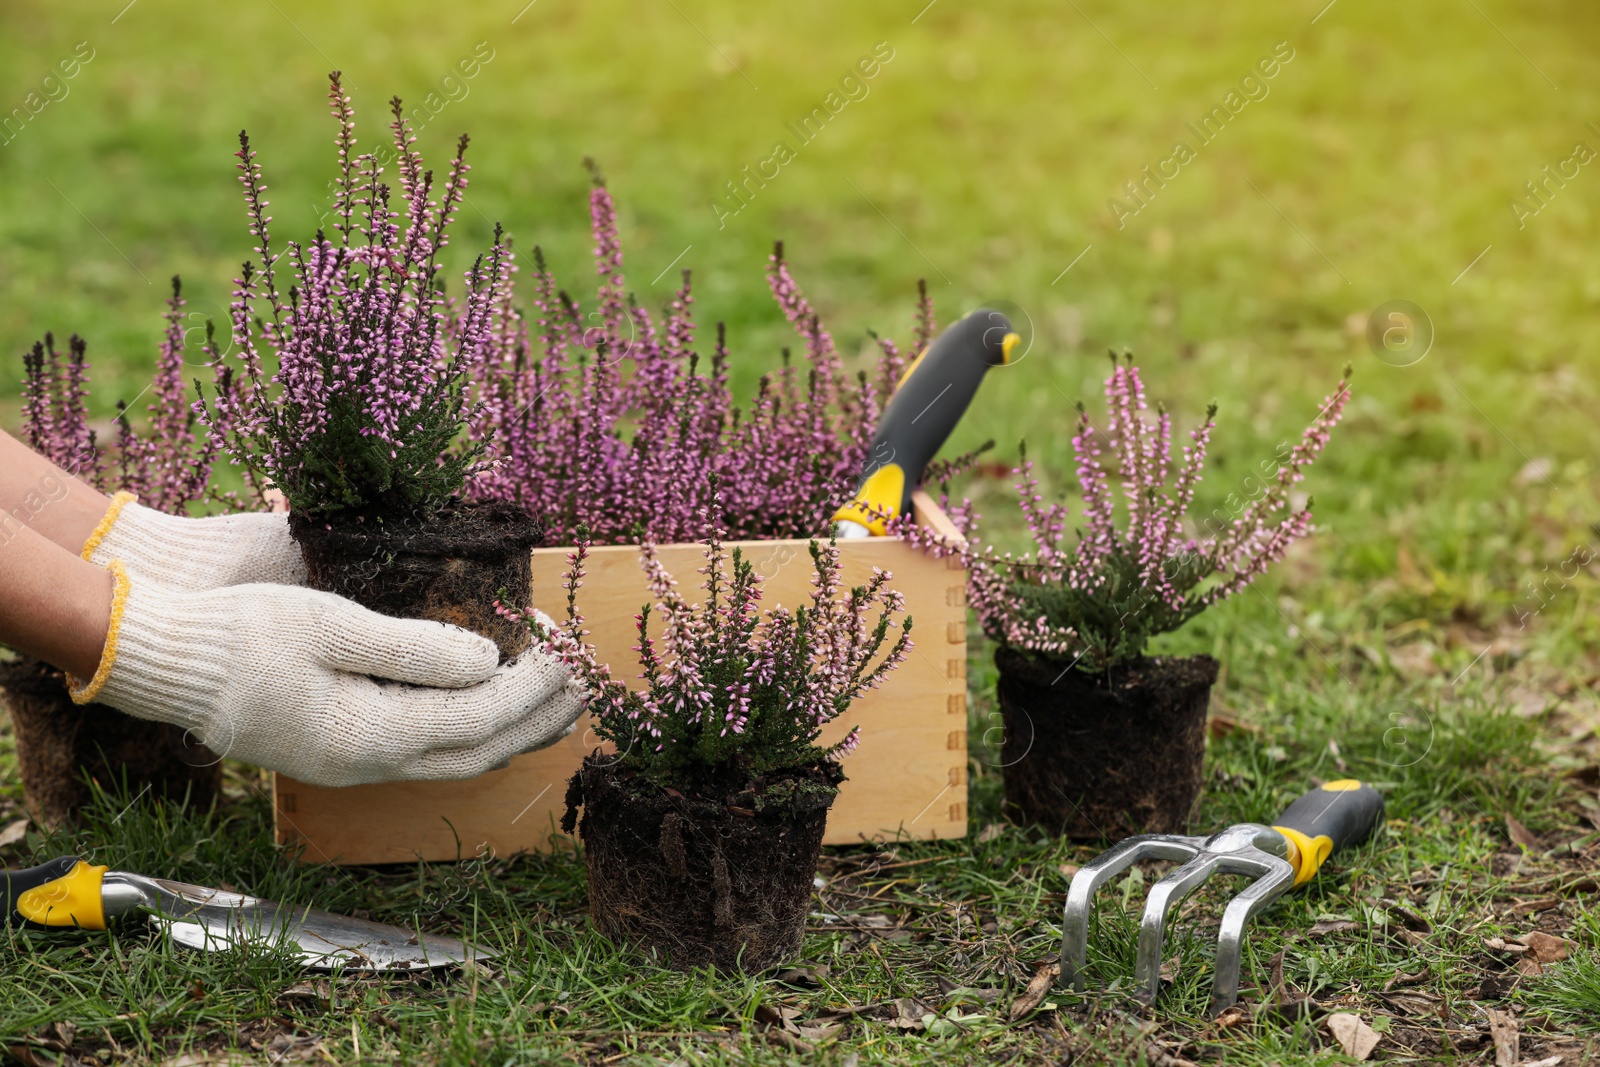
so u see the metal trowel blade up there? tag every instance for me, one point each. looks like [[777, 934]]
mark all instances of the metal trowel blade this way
[[214, 920]]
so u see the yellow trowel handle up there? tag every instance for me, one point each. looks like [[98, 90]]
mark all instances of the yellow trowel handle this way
[[928, 401], [1328, 818], [63, 892]]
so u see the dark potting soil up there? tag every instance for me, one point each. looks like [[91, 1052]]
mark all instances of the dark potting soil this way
[[1106, 754], [449, 566], [694, 881], [59, 743]]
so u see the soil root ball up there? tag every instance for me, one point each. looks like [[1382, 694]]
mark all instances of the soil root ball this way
[[61, 746], [699, 881], [1098, 756], [449, 566]]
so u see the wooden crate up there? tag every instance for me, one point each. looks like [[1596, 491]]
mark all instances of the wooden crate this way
[[908, 776]]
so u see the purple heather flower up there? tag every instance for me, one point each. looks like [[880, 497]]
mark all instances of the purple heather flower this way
[[160, 458], [607, 421]]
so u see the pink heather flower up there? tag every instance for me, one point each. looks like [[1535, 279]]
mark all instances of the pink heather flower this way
[[367, 404], [1100, 601], [728, 688]]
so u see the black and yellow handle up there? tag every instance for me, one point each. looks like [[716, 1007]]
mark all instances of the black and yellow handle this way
[[1327, 819], [928, 401], [63, 892]]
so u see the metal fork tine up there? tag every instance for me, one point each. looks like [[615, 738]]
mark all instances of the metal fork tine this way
[[1240, 910], [1090, 877], [1164, 895]]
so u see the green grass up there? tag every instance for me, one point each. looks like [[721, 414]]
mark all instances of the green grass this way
[[1379, 167], [1572, 991]]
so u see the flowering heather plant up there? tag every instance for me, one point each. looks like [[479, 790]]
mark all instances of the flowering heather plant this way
[[731, 692], [610, 421], [368, 401], [1098, 603], [165, 462]]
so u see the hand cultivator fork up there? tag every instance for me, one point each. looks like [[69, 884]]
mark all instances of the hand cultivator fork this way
[[1279, 857]]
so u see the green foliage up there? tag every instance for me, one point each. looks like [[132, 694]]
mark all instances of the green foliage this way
[[1570, 990], [345, 466], [1115, 620]]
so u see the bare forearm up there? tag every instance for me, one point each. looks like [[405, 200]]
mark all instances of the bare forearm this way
[[41, 496], [55, 606]]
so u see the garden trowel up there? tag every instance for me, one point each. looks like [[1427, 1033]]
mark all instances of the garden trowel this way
[[928, 401], [67, 892], [1279, 857]]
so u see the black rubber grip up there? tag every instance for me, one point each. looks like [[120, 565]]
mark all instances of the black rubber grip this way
[[17, 883], [928, 404], [1344, 812]]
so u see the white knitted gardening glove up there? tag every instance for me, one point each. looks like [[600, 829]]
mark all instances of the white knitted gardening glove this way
[[196, 554], [308, 683]]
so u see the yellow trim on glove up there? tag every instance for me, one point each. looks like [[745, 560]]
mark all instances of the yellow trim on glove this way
[[85, 694], [109, 519], [71, 900]]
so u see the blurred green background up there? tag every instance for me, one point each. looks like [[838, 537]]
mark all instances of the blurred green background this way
[[1379, 164]]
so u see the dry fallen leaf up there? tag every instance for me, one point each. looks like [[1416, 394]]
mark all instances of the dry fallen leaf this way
[[1528, 968], [990, 832], [1330, 926], [1038, 986], [1528, 907], [1402, 979], [1354, 1036], [1233, 1016], [1412, 920], [1220, 725], [1546, 948], [14, 832], [1068, 869], [1520, 835], [1507, 1042]]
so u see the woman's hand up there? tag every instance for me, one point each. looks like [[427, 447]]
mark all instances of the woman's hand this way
[[190, 554], [194, 555], [315, 686]]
